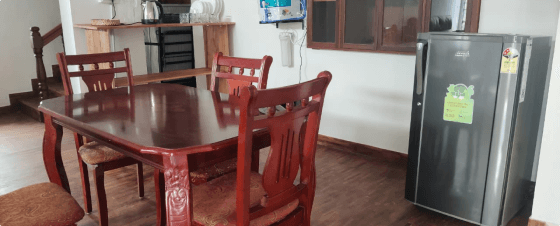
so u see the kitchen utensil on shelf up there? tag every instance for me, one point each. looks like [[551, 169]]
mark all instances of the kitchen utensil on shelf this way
[[152, 11], [105, 22]]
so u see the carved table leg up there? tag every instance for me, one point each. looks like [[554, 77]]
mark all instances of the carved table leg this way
[[51, 153], [178, 190]]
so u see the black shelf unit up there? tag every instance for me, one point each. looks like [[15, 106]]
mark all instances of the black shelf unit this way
[[175, 53], [286, 21], [175, 47]]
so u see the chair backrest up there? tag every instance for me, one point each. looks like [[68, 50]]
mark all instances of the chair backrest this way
[[293, 135], [102, 69], [238, 81]]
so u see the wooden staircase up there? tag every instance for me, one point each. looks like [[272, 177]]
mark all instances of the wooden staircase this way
[[43, 87]]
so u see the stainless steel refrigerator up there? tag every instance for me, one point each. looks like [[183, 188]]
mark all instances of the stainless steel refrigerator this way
[[476, 120]]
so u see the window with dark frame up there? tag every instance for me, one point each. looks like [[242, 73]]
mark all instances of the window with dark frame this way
[[385, 25]]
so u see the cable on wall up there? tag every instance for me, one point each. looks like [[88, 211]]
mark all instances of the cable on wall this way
[[114, 11], [300, 56], [299, 42]]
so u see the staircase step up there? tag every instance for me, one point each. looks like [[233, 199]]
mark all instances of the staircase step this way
[[56, 89], [29, 106], [28, 102], [54, 85]]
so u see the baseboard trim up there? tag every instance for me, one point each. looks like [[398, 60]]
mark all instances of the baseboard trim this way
[[533, 222], [364, 150]]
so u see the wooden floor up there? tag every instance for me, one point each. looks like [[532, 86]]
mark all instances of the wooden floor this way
[[352, 189]]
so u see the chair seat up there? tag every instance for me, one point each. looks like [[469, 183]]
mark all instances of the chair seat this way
[[211, 172], [214, 202], [93, 153], [40, 204]]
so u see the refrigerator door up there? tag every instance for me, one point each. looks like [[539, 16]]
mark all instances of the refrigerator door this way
[[456, 133], [416, 117], [527, 127]]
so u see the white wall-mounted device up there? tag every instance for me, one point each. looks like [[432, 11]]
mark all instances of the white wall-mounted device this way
[[286, 48]]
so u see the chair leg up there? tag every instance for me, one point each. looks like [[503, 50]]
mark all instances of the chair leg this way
[[101, 196], [160, 197], [86, 190], [140, 179], [255, 158]]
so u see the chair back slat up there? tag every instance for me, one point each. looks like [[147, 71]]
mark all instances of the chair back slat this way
[[98, 72], [99, 82], [240, 62], [264, 121], [223, 66], [236, 85], [102, 69], [95, 58], [283, 162], [293, 135], [237, 77], [291, 93]]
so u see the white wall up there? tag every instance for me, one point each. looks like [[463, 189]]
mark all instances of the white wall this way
[[17, 60], [547, 196], [519, 16], [369, 99]]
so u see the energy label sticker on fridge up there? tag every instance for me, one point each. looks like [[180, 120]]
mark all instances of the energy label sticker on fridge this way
[[510, 58], [458, 105]]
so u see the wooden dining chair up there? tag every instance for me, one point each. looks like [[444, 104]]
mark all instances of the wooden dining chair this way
[[248, 198], [222, 67], [222, 161], [39, 205], [103, 158]]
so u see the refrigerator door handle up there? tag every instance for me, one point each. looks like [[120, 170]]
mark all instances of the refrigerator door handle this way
[[420, 65]]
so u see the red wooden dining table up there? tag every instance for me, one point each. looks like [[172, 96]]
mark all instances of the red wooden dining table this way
[[173, 128]]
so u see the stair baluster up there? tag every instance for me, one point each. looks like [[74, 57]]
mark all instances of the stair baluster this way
[[38, 44]]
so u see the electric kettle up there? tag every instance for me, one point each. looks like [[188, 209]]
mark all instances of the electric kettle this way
[[152, 11]]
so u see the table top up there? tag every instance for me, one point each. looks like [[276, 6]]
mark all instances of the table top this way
[[151, 118], [140, 25]]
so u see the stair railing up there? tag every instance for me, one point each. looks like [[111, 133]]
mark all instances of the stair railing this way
[[37, 43]]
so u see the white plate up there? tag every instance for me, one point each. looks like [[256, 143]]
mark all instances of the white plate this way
[[197, 7], [220, 7], [216, 7], [206, 7], [212, 6]]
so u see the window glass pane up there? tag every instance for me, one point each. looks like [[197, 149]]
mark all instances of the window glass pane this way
[[400, 22], [359, 21], [448, 15], [324, 21]]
